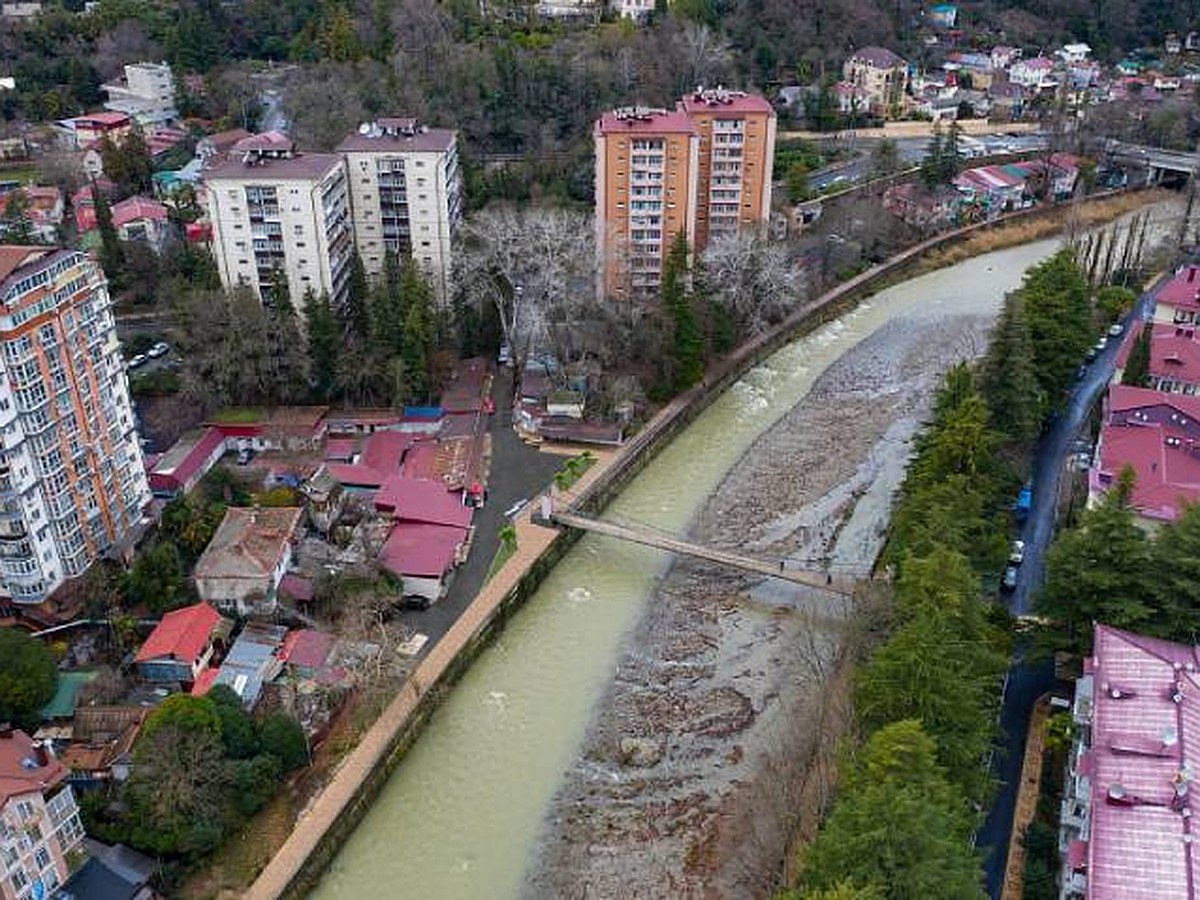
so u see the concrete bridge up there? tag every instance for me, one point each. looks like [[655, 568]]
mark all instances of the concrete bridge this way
[[652, 537], [1158, 162]]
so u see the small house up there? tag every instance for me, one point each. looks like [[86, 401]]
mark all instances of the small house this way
[[252, 661], [567, 404], [244, 562], [102, 739], [190, 458], [182, 645]]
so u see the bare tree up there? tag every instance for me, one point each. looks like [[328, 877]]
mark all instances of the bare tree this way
[[531, 264], [753, 279]]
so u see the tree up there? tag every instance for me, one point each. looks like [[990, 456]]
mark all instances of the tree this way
[[797, 182], [1009, 378], [931, 164], [28, 678], [1113, 301], [1175, 560], [1055, 294], [898, 825], [417, 340], [355, 312], [1137, 366], [885, 159], [324, 344], [751, 279], [157, 579], [254, 782], [16, 227], [287, 359], [239, 735], [686, 363], [283, 737], [1100, 571], [111, 256], [129, 163]]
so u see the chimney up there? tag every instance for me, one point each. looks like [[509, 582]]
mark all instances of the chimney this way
[[1191, 274], [40, 756]]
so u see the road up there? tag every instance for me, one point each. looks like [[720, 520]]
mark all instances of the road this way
[[1027, 680]]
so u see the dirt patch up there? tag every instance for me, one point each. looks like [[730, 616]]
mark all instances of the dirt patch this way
[[715, 734]]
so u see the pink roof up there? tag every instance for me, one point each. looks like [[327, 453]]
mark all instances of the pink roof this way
[[104, 118], [171, 475], [721, 101], [421, 461], [1182, 291], [45, 203], [205, 680], [1145, 738], [383, 450], [341, 448], [1123, 397], [1041, 63], [183, 634], [418, 500], [655, 121], [307, 647], [295, 586], [135, 208], [1175, 353], [420, 549], [16, 776], [1167, 476]]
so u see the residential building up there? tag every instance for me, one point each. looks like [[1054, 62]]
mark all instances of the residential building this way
[[852, 100], [882, 74], [181, 646], [146, 93], [81, 131], [647, 176], [1178, 302], [44, 210], [703, 170], [1126, 810], [242, 565], [72, 482], [1174, 357], [1035, 74], [187, 461], [1075, 53], [112, 872], [406, 195], [637, 10], [255, 658], [1156, 435], [101, 745], [136, 219], [276, 210], [736, 162], [214, 148], [929, 209], [1172, 45], [39, 821], [23, 9]]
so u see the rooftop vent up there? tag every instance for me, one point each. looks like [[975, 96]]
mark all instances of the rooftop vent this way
[[637, 113]]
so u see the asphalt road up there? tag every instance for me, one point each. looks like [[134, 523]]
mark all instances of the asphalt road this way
[[1027, 680], [517, 473]]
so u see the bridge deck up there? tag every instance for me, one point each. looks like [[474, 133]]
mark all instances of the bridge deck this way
[[649, 537]]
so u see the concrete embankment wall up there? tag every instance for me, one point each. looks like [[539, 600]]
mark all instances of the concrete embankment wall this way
[[333, 814]]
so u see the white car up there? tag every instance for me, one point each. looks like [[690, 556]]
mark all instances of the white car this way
[[139, 360], [1101, 344], [1115, 329], [1017, 556], [159, 349]]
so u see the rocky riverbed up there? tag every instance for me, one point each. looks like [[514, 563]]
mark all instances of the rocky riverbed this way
[[688, 782]]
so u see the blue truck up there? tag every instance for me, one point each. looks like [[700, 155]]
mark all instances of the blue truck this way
[[1024, 503]]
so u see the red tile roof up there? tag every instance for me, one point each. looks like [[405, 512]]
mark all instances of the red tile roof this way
[[134, 208], [1123, 397], [14, 257], [718, 101], [249, 543], [179, 464], [307, 647], [183, 634], [421, 550], [646, 121], [1145, 740], [1182, 291], [17, 776], [418, 500]]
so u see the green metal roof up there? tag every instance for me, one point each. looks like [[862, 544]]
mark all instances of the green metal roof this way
[[62, 704]]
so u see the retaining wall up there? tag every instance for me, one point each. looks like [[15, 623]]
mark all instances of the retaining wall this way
[[333, 814]]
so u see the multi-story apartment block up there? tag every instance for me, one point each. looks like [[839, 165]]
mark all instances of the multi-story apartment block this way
[[737, 158], [881, 74], [147, 93], [405, 194], [703, 170], [39, 821], [274, 210], [647, 164], [72, 482]]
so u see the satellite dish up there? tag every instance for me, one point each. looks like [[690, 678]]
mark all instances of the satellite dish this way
[[364, 129]]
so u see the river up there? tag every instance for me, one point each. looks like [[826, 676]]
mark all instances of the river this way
[[462, 815]]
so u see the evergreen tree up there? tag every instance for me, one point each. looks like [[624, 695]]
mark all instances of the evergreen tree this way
[[323, 344], [111, 255], [951, 156], [15, 225], [417, 341], [355, 312], [387, 317], [1176, 582], [287, 374], [1058, 308], [931, 164], [687, 347], [1009, 379], [1137, 367]]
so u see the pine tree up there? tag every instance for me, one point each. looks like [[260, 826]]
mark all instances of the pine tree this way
[[355, 312], [1137, 367], [417, 342], [323, 344], [931, 165], [1009, 380], [687, 349], [287, 370], [951, 156], [111, 256]]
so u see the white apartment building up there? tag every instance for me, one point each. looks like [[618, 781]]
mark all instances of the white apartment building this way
[[146, 94], [39, 820], [272, 209], [72, 481], [406, 195]]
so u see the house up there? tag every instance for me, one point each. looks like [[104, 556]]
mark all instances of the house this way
[[380, 459], [881, 74], [190, 458], [242, 565], [43, 210], [1174, 358], [421, 555], [1172, 45], [39, 820], [101, 745], [81, 131], [997, 188], [325, 499], [146, 93], [1178, 301], [213, 148], [306, 652], [1074, 53], [1035, 74], [418, 500], [252, 661], [852, 100], [567, 404], [1003, 57], [1007, 100], [922, 207], [1156, 435], [1126, 813], [20, 9], [943, 15], [137, 219], [61, 707], [287, 428], [182, 645], [113, 872]]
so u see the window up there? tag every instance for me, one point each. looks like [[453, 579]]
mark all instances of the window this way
[[42, 857]]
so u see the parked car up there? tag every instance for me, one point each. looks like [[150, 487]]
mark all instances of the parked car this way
[[1017, 556], [1009, 581], [1024, 503], [1102, 343], [139, 360], [1116, 329], [159, 349], [1091, 354]]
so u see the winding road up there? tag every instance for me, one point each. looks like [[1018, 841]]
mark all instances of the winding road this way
[[1029, 679]]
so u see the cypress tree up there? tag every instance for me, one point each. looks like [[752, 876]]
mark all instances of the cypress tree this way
[[687, 351], [1008, 380], [323, 344], [355, 312], [1137, 367], [111, 256]]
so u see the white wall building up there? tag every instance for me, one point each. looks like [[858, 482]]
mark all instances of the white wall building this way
[[273, 208], [72, 481], [146, 93], [406, 195]]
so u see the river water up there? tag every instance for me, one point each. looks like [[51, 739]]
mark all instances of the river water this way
[[461, 817]]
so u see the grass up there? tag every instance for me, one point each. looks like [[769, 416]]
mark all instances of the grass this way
[[572, 470], [238, 415], [503, 553]]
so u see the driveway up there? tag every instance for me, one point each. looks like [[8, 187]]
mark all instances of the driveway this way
[[1027, 680], [517, 473]]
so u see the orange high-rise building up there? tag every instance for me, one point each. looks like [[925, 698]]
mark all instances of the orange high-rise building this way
[[703, 169]]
